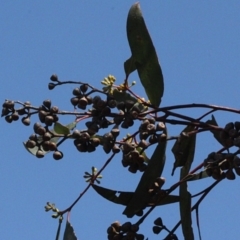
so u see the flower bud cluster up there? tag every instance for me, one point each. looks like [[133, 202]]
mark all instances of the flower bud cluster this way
[[47, 113], [84, 142], [11, 114], [221, 165], [81, 99], [132, 158], [231, 134], [156, 190], [126, 231]]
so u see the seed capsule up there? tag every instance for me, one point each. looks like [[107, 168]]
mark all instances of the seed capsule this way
[[230, 175], [41, 131], [26, 121], [74, 101], [49, 120], [126, 226], [15, 116], [84, 88], [54, 109], [39, 154], [157, 229], [51, 86], [158, 222], [47, 103], [54, 78], [30, 144], [57, 155]]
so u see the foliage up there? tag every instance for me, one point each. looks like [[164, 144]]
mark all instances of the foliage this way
[[106, 113]]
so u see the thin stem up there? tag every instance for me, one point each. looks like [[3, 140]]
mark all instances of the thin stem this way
[[207, 190], [197, 105]]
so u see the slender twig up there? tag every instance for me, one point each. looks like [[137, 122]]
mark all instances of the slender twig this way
[[207, 113], [196, 105], [207, 190]]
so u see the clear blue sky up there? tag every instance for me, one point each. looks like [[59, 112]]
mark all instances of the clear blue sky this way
[[198, 44]]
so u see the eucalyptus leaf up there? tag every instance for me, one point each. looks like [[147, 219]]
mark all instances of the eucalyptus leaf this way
[[187, 147], [185, 212], [69, 233], [144, 58], [124, 198], [61, 129], [154, 169], [182, 146], [215, 133]]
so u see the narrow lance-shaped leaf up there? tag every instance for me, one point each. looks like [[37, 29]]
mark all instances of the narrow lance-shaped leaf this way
[[124, 198], [154, 169], [181, 146], [215, 133], [69, 233], [185, 196], [144, 58]]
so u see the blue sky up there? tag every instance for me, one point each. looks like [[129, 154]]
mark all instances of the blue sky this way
[[198, 45]]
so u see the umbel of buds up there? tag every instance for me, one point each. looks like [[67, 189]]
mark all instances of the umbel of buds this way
[[125, 231]]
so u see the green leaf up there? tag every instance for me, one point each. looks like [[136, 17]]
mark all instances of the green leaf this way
[[69, 233], [185, 212], [215, 133], [154, 169], [188, 149], [124, 198], [117, 197], [61, 129], [182, 147], [144, 58]]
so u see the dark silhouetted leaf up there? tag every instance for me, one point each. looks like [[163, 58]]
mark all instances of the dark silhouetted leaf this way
[[155, 167], [188, 150], [124, 198], [114, 196], [215, 133], [182, 147], [185, 212], [144, 58], [69, 233]]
